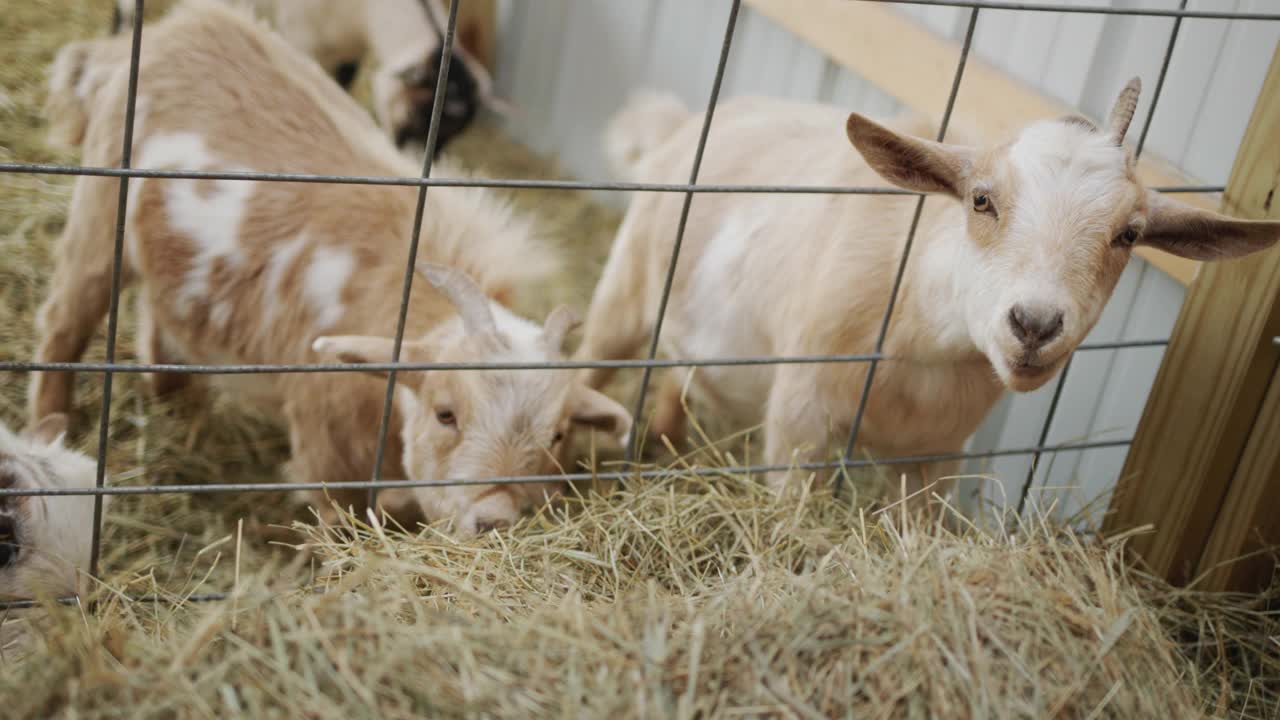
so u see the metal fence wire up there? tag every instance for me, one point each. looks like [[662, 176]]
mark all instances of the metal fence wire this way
[[125, 172]]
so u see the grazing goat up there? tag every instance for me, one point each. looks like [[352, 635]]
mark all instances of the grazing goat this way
[[405, 38], [236, 271], [1011, 267], [44, 540]]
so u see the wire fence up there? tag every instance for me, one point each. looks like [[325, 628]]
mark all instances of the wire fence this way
[[125, 172]]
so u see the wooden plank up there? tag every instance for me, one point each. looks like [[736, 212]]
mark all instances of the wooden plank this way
[[1209, 390], [1248, 521], [916, 66]]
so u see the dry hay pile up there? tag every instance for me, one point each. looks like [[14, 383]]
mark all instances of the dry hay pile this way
[[671, 599], [676, 597]]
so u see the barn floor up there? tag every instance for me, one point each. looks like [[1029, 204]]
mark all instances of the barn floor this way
[[678, 597]]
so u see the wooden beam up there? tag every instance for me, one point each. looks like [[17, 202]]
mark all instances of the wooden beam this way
[[916, 67], [1204, 453], [1248, 522]]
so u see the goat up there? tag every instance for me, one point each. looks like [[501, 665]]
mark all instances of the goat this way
[[44, 539], [263, 272], [405, 38], [1014, 258]]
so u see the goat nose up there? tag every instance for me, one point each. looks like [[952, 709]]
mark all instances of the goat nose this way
[[486, 524], [1035, 325]]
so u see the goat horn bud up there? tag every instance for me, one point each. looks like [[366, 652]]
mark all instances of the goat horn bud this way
[[558, 324], [1122, 111], [471, 302]]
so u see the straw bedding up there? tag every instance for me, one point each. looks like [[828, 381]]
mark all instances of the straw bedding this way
[[677, 597]]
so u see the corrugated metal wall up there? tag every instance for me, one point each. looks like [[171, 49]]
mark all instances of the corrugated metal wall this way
[[568, 64]]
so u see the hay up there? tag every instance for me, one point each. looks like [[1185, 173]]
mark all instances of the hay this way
[[676, 597], [669, 599]]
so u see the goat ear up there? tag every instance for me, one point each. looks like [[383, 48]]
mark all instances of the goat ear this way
[[360, 349], [910, 162], [9, 504], [49, 430], [1198, 234], [595, 409]]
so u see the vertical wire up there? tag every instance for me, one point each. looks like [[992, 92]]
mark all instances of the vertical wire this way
[[1164, 70], [684, 218], [906, 251], [1044, 434], [1062, 378], [113, 311], [437, 106]]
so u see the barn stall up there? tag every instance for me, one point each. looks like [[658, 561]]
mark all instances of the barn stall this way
[[567, 66]]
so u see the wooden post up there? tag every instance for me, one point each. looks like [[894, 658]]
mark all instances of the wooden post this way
[[1249, 522], [1204, 468]]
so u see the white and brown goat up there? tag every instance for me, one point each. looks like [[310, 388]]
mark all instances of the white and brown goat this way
[[404, 39], [235, 271], [1012, 264], [44, 539]]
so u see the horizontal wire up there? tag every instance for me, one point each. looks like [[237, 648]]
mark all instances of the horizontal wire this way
[[700, 472], [1087, 9], [218, 488], [174, 598], [525, 184], [279, 487], [75, 600], [257, 369]]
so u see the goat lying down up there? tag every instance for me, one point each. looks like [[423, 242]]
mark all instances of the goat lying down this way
[[404, 38], [237, 271], [1017, 252], [44, 540]]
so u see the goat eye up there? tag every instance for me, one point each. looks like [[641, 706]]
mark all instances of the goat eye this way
[[1128, 237], [982, 203], [557, 437], [9, 548], [446, 417]]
